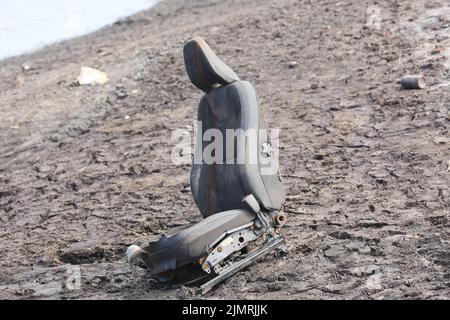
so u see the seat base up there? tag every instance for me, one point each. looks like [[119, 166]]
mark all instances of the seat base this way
[[213, 249], [226, 271], [191, 244]]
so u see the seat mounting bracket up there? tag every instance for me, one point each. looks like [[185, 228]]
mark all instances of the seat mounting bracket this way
[[227, 271]]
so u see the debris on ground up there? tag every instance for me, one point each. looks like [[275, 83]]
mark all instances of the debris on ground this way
[[91, 76], [412, 82]]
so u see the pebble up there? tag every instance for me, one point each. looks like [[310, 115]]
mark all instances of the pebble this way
[[292, 64], [26, 67]]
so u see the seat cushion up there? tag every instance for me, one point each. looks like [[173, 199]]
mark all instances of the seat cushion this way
[[190, 244], [221, 186]]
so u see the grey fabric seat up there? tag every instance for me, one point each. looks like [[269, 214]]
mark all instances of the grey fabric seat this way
[[218, 188]]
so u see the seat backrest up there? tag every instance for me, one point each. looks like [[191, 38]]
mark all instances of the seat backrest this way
[[228, 106]]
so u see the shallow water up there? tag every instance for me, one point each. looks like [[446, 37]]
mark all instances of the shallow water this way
[[28, 25]]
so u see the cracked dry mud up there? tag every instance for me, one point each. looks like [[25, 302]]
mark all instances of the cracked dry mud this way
[[86, 171]]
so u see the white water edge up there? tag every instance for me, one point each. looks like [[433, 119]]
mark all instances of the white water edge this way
[[27, 25]]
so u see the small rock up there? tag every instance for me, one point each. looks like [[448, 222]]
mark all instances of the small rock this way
[[292, 64], [314, 86], [26, 67]]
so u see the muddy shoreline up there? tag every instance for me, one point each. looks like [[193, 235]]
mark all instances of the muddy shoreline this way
[[85, 171]]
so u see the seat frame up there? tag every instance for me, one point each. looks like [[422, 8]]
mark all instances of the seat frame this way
[[239, 204]]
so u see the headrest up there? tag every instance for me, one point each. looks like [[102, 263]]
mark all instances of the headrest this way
[[204, 68]]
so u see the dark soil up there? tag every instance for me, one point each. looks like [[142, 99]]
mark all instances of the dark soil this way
[[85, 171]]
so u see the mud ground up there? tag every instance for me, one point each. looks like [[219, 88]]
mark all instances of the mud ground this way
[[85, 171]]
